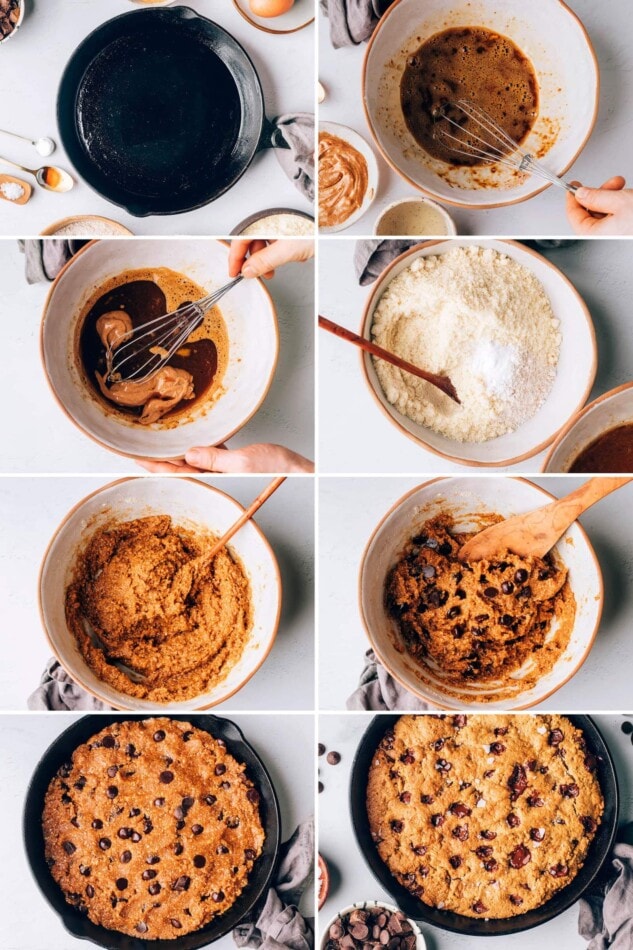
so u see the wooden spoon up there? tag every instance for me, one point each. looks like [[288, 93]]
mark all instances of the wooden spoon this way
[[535, 533], [443, 383]]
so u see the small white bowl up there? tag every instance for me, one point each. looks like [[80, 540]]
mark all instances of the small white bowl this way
[[300, 15], [17, 25], [575, 373], [613, 409], [552, 37], [251, 323], [359, 143], [448, 225], [189, 502], [420, 942], [465, 497]]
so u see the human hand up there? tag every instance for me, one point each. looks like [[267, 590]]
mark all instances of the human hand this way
[[265, 256], [261, 458], [613, 202]]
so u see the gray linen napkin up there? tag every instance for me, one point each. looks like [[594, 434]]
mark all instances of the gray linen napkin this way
[[378, 690], [44, 258], [606, 913], [352, 21], [279, 924], [59, 692], [371, 257], [293, 137]]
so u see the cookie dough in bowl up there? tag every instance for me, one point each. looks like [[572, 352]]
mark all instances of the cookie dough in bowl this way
[[548, 36], [131, 618], [504, 324], [493, 635], [215, 382]]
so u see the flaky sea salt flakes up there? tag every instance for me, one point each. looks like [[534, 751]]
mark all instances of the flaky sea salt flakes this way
[[11, 190]]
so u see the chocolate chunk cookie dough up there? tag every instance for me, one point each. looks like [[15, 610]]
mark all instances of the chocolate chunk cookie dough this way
[[152, 829], [498, 625]]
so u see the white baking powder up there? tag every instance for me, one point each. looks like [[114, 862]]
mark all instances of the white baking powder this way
[[481, 318]]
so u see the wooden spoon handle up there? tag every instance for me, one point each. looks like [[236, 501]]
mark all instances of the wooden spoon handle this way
[[562, 513], [443, 383], [246, 516]]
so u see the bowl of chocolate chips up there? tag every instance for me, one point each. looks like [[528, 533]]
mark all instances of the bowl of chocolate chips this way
[[372, 925], [11, 16]]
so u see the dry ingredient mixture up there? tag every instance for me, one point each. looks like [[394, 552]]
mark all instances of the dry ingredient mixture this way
[[89, 227], [343, 180], [128, 302], [152, 828], [485, 816], [153, 609], [481, 318], [280, 225], [470, 63], [478, 624]]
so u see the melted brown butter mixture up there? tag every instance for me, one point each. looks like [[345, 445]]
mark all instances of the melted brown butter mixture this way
[[610, 452], [131, 300], [467, 63]]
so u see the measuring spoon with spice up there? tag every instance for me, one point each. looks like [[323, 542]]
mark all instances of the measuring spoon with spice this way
[[14, 190], [535, 533], [48, 176], [442, 383]]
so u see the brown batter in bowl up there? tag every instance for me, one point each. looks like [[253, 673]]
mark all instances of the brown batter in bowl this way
[[501, 624], [471, 63], [182, 630]]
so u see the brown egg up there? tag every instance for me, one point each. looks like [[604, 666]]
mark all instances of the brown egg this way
[[270, 8]]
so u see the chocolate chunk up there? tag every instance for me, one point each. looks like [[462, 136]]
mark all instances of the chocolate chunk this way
[[521, 576], [419, 849], [154, 889], [84, 870], [427, 799], [537, 834], [569, 791], [438, 745], [90, 891], [321, 749], [520, 857], [105, 843], [210, 799], [159, 735], [134, 812], [152, 859], [443, 766], [459, 720], [111, 773], [491, 592], [69, 847], [178, 848], [321, 787], [166, 777], [488, 835], [197, 829], [125, 833], [199, 860], [108, 742], [589, 824], [513, 820], [455, 861], [497, 748], [484, 852], [142, 927], [559, 870], [334, 758], [460, 832], [397, 826], [181, 884], [112, 791], [121, 883], [217, 896], [136, 837], [175, 923], [97, 824], [126, 857], [491, 865], [405, 797], [221, 849], [460, 810], [220, 768], [515, 899], [147, 826], [253, 796], [437, 820], [517, 782], [534, 801], [149, 875], [479, 907], [507, 587]]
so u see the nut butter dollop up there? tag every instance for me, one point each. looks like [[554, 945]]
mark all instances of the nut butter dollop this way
[[343, 180]]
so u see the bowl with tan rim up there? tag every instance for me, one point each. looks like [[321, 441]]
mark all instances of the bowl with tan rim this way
[[467, 499], [575, 372], [607, 412], [251, 359], [549, 34], [191, 503]]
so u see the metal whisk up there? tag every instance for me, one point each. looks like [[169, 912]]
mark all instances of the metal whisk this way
[[146, 349], [482, 138]]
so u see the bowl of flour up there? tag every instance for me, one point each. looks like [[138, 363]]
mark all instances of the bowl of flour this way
[[509, 329]]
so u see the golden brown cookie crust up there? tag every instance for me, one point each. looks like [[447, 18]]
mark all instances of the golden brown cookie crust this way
[[182, 631], [483, 815], [477, 625], [144, 853]]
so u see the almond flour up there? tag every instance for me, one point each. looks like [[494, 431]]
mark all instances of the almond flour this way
[[481, 318]]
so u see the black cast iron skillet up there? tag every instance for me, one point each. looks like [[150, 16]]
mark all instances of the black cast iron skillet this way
[[472, 927], [161, 111], [78, 925]]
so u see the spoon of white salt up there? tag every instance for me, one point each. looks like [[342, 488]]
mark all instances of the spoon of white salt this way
[[43, 146]]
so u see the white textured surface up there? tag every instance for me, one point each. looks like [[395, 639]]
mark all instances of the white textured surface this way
[[32, 64], [353, 881], [40, 438], [611, 30], [355, 436], [30, 512], [285, 745], [349, 510]]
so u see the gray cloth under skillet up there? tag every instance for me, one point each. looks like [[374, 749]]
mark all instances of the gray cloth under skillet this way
[[59, 692], [296, 156], [372, 256], [378, 690], [352, 21], [279, 924], [44, 258], [606, 912]]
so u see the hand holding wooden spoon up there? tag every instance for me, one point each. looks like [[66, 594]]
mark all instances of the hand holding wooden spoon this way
[[536, 532]]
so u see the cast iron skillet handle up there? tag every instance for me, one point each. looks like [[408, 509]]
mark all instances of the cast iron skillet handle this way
[[271, 136]]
